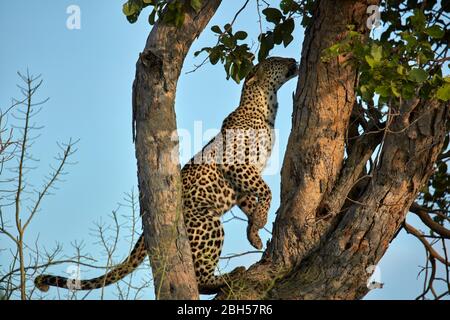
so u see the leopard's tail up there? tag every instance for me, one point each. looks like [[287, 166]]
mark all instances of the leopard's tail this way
[[43, 282]]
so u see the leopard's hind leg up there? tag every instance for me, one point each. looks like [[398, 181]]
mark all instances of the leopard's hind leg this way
[[206, 235]]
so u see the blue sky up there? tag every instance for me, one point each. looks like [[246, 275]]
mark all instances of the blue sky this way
[[88, 75]]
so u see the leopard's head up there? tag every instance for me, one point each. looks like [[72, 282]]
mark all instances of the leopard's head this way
[[272, 73]]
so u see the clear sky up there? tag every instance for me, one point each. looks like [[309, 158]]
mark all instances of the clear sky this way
[[88, 75]]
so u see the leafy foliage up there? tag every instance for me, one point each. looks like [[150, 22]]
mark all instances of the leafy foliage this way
[[236, 58], [402, 63], [174, 11], [405, 62], [281, 33]]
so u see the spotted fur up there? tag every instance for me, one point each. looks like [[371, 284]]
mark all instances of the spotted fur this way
[[227, 172]]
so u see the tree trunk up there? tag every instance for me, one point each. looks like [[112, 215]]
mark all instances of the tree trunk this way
[[154, 88], [327, 234]]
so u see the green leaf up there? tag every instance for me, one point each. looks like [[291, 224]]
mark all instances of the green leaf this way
[[376, 52], [334, 49], [214, 56], [245, 68], [418, 75], [133, 18], [289, 5], [371, 61], [366, 93], [443, 93], [401, 70], [216, 29], [196, 5], [240, 35], [273, 15], [408, 90], [267, 44], [228, 28], [395, 90], [289, 26], [422, 58], [234, 73], [227, 67], [278, 34], [129, 8], [287, 39], [174, 14], [382, 101], [390, 16], [306, 21], [418, 20], [152, 17], [228, 41], [383, 91], [207, 49], [435, 32]]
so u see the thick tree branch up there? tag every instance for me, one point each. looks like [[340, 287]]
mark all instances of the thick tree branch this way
[[338, 269], [310, 256], [422, 213], [157, 72], [433, 253], [314, 158], [354, 165]]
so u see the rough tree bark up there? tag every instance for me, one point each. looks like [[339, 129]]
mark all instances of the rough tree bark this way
[[323, 242], [154, 88]]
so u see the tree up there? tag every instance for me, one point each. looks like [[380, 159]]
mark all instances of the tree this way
[[18, 198], [369, 141]]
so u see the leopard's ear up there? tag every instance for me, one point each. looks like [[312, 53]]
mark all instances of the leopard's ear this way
[[254, 76]]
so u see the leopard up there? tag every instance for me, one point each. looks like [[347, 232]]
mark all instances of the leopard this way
[[227, 172]]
